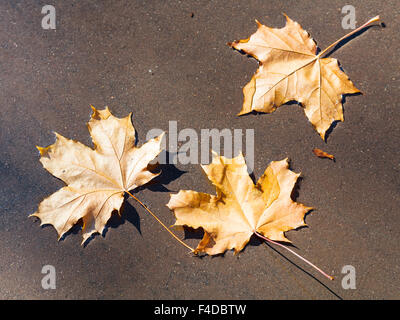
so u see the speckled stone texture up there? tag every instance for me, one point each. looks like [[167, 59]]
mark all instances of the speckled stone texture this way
[[168, 60]]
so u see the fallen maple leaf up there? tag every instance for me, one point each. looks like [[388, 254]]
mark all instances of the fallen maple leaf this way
[[240, 208], [290, 69], [322, 154], [96, 179]]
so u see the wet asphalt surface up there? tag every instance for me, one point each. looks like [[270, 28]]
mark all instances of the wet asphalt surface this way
[[168, 61]]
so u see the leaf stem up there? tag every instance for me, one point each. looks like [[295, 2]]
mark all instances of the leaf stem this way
[[159, 221], [374, 19], [297, 255]]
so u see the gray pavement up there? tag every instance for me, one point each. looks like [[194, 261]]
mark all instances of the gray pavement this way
[[168, 60]]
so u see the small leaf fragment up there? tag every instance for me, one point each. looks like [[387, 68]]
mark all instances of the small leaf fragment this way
[[322, 154]]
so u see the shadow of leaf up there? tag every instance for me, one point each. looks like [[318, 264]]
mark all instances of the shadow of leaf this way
[[168, 173], [128, 213]]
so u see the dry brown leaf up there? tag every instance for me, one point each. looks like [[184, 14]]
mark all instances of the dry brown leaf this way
[[96, 179], [322, 154], [240, 208], [290, 69]]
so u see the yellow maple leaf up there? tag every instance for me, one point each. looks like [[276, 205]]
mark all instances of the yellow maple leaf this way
[[96, 178], [290, 69], [240, 208]]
